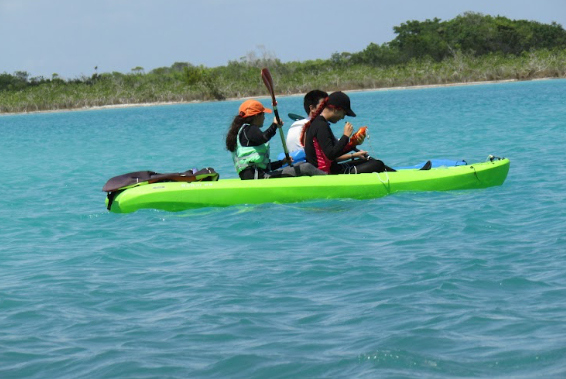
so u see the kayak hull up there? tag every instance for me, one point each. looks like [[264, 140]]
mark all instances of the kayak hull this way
[[179, 196]]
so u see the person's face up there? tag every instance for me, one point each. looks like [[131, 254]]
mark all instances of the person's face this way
[[259, 119], [337, 115]]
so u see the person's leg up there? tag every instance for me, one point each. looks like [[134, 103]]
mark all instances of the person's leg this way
[[274, 175], [361, 167], [302, 169], [248, 174], [252, 173]]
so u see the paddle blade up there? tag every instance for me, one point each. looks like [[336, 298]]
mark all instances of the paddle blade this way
[[268, 81]]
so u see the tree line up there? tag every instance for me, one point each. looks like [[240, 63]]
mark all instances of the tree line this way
[[470, 33], [470, 47]]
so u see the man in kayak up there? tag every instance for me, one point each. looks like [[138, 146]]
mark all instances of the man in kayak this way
[[329, 154], [250, 146], [311, 101]]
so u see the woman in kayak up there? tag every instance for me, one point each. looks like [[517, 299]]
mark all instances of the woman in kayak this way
[[332, 155], [250, 146]]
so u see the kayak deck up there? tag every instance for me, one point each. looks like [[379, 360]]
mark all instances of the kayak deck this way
[[177, 196]]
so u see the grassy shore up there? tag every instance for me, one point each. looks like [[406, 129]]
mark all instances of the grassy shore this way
[[239, 80], [263, 96]]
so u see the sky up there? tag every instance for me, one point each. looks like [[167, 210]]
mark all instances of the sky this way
[[72, 37]]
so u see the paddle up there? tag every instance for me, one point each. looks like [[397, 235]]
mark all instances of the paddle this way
[[295, 117], [268, 80]]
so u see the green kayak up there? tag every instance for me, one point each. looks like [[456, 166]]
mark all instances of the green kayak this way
[[179, 196]]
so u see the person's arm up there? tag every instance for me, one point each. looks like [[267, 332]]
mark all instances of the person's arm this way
[[277, 164], [256, 137], [351, 156], [330, 147]]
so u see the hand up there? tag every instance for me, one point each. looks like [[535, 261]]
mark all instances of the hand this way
[[348, 129], [287, 161], [359, 137], [360, 140], [280, 124], [361, 154]]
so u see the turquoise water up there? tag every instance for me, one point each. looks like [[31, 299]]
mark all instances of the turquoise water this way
[[465, 284]]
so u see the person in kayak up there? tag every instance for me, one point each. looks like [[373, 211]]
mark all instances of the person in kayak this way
[[249, 146], [329, 154], [311, 102]]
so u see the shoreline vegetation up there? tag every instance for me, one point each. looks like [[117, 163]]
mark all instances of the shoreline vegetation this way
[[265, 96], [469, 49]]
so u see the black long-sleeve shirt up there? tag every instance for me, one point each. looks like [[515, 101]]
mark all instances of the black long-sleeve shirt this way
[[329, 146]]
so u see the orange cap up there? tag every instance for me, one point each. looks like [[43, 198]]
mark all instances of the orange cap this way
[[251, 108]]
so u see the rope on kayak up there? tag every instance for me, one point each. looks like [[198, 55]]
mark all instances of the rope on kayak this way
[[475, 173], [381, 180]]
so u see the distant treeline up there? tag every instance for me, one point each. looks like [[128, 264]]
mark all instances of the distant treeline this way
[[470, 47], [470, 33]]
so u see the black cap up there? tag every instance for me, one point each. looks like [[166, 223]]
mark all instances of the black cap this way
[[341, 100]]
